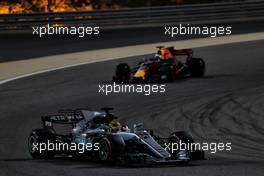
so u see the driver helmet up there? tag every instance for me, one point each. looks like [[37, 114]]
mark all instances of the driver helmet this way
[[115, 125], [165, 54]]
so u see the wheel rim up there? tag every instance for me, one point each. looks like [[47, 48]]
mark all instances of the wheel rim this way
[[104, 151]]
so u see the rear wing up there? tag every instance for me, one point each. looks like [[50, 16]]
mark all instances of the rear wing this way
[[183, 52], [64, 117], [177, 51]]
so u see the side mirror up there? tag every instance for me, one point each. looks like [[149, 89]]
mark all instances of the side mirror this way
[[137, 127]]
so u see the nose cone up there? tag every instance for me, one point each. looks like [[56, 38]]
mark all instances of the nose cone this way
[[140, 74]]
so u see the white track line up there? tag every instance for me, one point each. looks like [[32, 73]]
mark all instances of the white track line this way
[[25, 68], [58, 68]]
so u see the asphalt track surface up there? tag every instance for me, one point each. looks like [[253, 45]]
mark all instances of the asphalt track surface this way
[[225, 106]]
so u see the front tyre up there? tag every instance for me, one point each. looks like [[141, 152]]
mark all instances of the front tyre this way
[[122, 73]]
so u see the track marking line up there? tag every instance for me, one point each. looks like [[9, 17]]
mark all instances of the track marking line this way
[[14, 70]]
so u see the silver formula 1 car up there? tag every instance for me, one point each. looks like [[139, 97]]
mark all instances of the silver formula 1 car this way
[[108, 141]]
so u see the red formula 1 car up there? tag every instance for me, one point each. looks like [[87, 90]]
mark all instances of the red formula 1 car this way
[[167, 65]]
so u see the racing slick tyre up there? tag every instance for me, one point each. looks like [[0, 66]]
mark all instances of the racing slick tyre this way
[[105, 150], [185, 138], [179, 137], [182, 136], [35, 139], [122, 73], [196, 67]]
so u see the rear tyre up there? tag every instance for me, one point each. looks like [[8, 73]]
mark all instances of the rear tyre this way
[[196, 67], [105, 150], [37, 137]]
